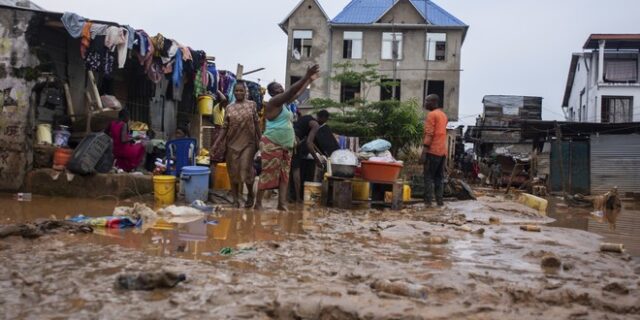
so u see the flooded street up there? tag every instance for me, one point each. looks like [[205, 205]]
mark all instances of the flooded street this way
[[326, 264]]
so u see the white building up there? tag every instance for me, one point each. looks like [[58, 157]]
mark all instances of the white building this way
[[603, 85]]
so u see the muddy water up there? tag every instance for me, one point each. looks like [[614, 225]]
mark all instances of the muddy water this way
[[196, 238], [617, 227], [331, 264]]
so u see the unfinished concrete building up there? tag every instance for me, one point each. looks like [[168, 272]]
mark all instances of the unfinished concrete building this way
[[415, 43]]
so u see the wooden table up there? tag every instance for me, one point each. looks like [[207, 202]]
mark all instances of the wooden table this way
[[337, 192]]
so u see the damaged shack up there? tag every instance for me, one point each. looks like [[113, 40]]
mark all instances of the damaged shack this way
[[497, 137], [64, 72]]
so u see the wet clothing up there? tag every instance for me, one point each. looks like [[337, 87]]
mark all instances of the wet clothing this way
[[240, 165], [435, 132], [276, 164], [128, 156], [240, 122], [433, 178], [280, 130]]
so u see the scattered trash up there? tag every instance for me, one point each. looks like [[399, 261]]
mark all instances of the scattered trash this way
[[173, 210], [202, 206], [612, 247], [211, 222], [531, 228], [550, 261], [23, 196], [149, 280], [228, 251], [464, 228], [109, 222], [400, 288], [617, 288], [140, 213], [478, 232], [32, 231], [494, 220], [437, 240]]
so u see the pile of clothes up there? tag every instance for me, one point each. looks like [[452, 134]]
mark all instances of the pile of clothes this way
[[378, 151]]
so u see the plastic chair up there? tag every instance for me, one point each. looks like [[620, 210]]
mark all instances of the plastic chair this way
[[183, 153]]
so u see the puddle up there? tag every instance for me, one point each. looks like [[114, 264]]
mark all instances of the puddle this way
[[617, 227], [201, 239]]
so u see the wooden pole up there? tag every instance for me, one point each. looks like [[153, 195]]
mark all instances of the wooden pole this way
[[239, 72]]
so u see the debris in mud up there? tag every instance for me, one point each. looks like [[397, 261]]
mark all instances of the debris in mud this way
[[478, 232], [36, 230], [530, 228], [400, 288], [494, 220], [437, 240], [612, 247], [550, 261], [149, 280], [616, 288], [568, 266]]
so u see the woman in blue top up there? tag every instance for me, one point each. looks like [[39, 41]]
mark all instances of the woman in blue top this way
[[278, 139]]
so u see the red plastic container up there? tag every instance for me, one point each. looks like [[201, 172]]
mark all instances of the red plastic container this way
[[380, 171]]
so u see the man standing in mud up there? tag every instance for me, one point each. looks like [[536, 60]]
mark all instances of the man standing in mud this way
[[434, 152]]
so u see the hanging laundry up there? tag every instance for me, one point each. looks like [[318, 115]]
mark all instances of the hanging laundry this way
[[117, 38], [255, 93], [131, 37], [85, 42], [73, 23], [198, 84], [158, 43], [213, 83], [99, 57], [177, 69], [98, 30]]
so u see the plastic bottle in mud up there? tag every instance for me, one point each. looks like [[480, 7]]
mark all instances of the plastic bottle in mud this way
[[149, 280]]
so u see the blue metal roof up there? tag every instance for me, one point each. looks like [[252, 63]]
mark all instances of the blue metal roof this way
[[369, 11]]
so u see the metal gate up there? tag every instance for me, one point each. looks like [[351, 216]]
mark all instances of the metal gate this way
[[574, 171], [615, 161]]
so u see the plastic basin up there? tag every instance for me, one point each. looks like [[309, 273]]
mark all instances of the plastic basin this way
[[380, 171]]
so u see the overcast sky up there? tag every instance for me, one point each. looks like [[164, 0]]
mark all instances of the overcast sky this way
[[520, 47]]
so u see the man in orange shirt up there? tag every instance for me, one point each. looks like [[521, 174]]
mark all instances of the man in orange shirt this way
[[434, 152]]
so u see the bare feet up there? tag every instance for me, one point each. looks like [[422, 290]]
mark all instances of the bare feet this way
[[236, 204], [283, 208], [258, 206]]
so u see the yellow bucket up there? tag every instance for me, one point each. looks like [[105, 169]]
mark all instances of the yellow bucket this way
[[164, 189], [205, 105], [360, 190], [222, 181], [312, 192], [406, 193]]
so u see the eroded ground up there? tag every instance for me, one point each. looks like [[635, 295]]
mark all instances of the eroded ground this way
[[323, 264]]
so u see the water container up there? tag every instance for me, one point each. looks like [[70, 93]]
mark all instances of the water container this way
[[196, 183], [164, 190]]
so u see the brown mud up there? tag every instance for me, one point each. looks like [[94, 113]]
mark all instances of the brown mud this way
[[321, 264]]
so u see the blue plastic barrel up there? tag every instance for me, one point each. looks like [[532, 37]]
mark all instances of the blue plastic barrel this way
[[196, 183]]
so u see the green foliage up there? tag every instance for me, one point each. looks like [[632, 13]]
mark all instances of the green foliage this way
[[397, 122]]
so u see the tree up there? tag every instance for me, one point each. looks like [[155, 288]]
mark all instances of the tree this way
[[397, 122]]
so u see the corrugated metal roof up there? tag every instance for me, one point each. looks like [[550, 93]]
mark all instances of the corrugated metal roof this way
[[369, 11], [21, 4]]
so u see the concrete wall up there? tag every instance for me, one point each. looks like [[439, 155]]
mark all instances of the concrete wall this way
[[309, 16], [412, 68], [16, 125], [587, 79]]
